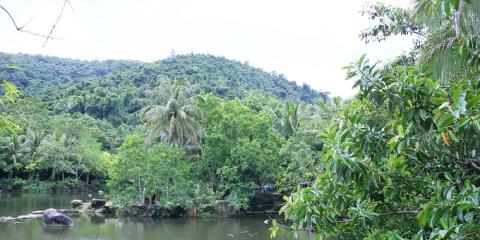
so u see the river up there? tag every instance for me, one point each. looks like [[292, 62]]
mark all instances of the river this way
[[94, 227]]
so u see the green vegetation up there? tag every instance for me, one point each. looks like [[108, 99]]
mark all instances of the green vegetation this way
[[400, 161], [182, 132]]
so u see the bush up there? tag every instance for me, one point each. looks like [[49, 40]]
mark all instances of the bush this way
[[12, 184]]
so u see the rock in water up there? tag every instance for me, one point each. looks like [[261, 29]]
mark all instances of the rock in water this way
[[52, 217], [76, 203], [98, 203], [7, 219], [29, 216]]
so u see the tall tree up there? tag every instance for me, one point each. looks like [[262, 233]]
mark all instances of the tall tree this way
[[175, 122], [288, 118], [13, 152], [33, 143]]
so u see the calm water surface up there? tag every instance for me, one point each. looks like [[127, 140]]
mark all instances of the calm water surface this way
[[94, 227]]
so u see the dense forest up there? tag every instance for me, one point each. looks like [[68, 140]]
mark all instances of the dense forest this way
[[199, 126], [116, 90], [397, 161]]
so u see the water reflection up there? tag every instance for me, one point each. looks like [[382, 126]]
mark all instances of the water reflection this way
[[99, 227], [56, 230]]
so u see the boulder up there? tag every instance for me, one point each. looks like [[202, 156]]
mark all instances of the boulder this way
[[29, 216], [7, 219], [86, 206], [52, 217], [98, 203], [38, 212], [76, 203], [100, 192]]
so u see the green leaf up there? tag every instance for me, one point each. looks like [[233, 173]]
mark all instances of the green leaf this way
[[476, 126], [456, 4], [14, 67], [424, 214], [418, 235], [438, 100], [394, 236], [423, 114], [362, 58], [445, 120], [473, 102], [452, 136], [431, 217], [447, 8], [462, 122]]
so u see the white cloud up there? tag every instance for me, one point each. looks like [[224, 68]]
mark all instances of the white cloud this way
[[309, 41]]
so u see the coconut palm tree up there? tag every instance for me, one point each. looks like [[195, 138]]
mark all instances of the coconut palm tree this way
[[34, 143], [287, 120], [58, 153], [453, 44], [13, 151], [175, 122]]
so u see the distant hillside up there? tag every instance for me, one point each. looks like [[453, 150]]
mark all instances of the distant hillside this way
[[106, 89]]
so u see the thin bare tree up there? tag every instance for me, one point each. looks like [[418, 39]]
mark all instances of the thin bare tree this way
[[22, 28]]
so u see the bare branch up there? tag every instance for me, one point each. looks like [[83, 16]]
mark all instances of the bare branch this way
[[47, 37], [30, 20], [10, 15]]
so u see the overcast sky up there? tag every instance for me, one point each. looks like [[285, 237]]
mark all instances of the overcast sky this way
[[309, 41]]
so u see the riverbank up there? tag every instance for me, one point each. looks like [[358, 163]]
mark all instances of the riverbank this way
[[82, 201], [91, 225], [220, 208], [36, 186]]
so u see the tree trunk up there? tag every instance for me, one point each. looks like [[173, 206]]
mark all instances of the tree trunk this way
[[63, 176], [52, 177]]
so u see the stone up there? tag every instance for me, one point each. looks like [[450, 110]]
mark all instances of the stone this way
[[52, 217], [109, 208], [76, 203], [7, 219], [86, 205], [98, 203], [29, 216], [38, 212], [100, 192]]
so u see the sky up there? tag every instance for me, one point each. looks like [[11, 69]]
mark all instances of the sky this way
[[309, 41]]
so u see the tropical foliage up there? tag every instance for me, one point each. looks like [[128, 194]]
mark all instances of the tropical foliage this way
[[400, 161]]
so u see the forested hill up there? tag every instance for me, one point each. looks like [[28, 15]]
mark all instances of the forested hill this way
[[116, 89]]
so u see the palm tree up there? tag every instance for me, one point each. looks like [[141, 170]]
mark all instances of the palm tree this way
[[287, 121], [13, 151], [453, 45], [58, 153], [176, 121], [34, 142]]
